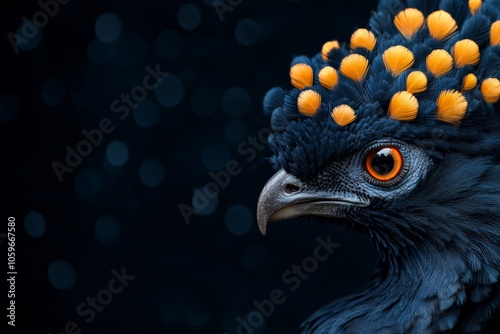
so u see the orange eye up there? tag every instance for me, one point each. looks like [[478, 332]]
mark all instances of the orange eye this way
[[384, 163]]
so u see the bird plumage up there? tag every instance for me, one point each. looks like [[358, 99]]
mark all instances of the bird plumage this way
[[422, 80]]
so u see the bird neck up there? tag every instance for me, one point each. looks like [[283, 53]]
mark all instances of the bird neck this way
[[424, 293], [423, 290]]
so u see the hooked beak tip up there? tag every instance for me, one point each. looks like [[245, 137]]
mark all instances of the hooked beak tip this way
[[284, 197], [267, 203]]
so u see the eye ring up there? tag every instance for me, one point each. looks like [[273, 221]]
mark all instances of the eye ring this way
[[384, 164]]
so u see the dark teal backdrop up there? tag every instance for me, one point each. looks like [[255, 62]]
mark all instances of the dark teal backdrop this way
[[134, 154]]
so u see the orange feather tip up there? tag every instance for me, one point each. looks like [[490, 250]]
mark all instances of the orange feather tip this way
[[398, 59], [343, 115], [328, 77], [409, 21], [439, 62], [363, 38], [301, 75], [354, 67], [490, 88], [416, 82], [466, 52], [451, 106], [309, 102], [441, 25], [495, 33], [469, 82], [327, 47], [403, 106], [474, 5]]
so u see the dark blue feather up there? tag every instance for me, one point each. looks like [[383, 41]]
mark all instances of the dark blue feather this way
[[440, 245]]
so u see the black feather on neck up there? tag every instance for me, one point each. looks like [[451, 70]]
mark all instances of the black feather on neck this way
[[441, 257]]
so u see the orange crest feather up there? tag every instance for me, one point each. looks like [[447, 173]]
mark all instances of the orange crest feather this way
[[398, 59], [474, 5], [355, 67], [328, 77], [403, 106], [451, 106], [490, 88], [439, 62], [441, 24], [466, 52], [309, 102], [327, 47], [301, 75], [416, 82], [469, 82], [409, 21], [363, 38], [343, 115]]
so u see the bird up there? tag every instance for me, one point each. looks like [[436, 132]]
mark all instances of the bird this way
[[395, 134]]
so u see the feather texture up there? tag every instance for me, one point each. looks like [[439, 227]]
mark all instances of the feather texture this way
[[425, 73]]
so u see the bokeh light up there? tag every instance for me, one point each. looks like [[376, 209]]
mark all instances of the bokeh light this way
[[189, 17], [52, 92], [238, 219], [117, 153], [147, 114], [30, 36], [107, 229], [62, 275], [205, 199], [34, 224], [170, 91], [162, 154], [247, 32], [151, 173], [108, 27]]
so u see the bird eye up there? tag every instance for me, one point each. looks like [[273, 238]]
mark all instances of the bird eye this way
[[384, 163]]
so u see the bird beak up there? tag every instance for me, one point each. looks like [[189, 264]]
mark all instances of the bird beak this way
[[284, 197]]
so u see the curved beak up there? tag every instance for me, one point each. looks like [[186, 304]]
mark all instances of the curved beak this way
[[284, 197]]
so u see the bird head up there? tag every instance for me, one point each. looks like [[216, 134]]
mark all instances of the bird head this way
[[396, 133]]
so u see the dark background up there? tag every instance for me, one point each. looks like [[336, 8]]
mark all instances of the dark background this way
[[119, 208]]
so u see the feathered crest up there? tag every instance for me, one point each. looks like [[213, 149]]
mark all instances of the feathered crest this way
[[422, 65]]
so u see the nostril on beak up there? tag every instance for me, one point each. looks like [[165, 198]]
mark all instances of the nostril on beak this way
[[291, 188]]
